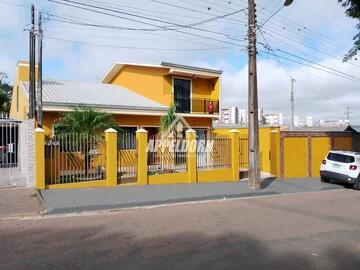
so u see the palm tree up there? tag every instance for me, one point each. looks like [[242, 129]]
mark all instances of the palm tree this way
[[168, 121], [86, 121], [83, 122], [168, 126]]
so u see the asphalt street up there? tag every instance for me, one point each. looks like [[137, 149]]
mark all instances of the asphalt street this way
[[313, 230]]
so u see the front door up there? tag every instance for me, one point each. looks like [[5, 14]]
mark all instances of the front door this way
[[182, 89]]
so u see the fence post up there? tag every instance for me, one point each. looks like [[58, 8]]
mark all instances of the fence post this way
[[40, 158], [141, 145], [191, 155], [111, 157], [235, 154]]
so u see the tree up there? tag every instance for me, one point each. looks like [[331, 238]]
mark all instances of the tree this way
[[86, 121], [5, 93], [353, 11], [81, 123], [168, 121]]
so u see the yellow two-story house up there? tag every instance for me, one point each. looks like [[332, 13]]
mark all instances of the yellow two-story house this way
[[136, 94]]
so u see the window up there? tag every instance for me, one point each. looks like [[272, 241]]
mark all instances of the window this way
[[182, 92], [340, 158]]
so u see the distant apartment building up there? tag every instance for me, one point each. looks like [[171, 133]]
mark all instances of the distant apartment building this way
[[225, 116], [309, 121], [229, 115], [243, 117], [234, 115], [273, 119], [333, 123]]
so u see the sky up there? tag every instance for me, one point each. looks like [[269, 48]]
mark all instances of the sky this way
[[309, 38]]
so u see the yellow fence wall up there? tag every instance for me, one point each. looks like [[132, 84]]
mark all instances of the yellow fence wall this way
[[295, 157], [342, 143], [320, 146], [264, 144]]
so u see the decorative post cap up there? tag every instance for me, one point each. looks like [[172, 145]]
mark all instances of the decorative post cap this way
[[141, 130], [190, 131], [110, 130], [39, 130]]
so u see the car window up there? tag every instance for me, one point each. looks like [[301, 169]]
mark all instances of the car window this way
[[340, 158]]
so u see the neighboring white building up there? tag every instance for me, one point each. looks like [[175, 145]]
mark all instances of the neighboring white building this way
[[309, 121], [225, 116], [234, 115], [229, 115], [243, 117], [274, 119], [333, 123]]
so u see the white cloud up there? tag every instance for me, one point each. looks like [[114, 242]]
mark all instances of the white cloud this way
[[79, 62], [316, 93]]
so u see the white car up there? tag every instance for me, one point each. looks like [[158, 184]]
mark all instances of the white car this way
[[342, 166]]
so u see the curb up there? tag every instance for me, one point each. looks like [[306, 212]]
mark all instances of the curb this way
[[119, 206]]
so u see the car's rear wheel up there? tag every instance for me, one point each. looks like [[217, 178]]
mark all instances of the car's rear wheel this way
[[324, 179]]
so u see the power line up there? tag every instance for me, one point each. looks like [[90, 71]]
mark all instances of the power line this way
[[137, 48], [311, 66], [286, 21], [147, 23], [148, 18], [191, 9], [323, 66]]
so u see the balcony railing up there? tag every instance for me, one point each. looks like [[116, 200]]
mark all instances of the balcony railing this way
[[196, 105]]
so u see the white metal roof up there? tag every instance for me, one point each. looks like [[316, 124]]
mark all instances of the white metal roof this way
[[57, 93]]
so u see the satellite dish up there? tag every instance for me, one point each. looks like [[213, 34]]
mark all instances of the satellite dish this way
[[288, 2]]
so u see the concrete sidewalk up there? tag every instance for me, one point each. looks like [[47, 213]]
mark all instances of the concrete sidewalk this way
[[18, 202], [94, 199]]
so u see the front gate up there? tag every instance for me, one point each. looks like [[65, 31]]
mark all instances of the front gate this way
[[10, 172]]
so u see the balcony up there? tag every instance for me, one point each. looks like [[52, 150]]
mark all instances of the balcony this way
[[196, 105]]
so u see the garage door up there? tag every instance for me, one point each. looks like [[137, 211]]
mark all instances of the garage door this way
[[295, 157], [319, 148]]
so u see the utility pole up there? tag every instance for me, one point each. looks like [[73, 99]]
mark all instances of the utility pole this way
[[253, 133], [292, 99], [32, 65], [39, 84]]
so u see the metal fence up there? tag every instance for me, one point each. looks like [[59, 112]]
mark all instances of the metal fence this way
[[215, 155], [244, 152], [10, 174], [72, 158], [170, 158], [127, 158]]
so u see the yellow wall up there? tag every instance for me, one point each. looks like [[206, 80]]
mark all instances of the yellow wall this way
[[264, 144], [19, 101], [146, 81], [275, 152], [342, 143], [319, 148], [296, 157], [154, 83]]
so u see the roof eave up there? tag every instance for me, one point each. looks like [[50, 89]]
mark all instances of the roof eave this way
[[100, 106]]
